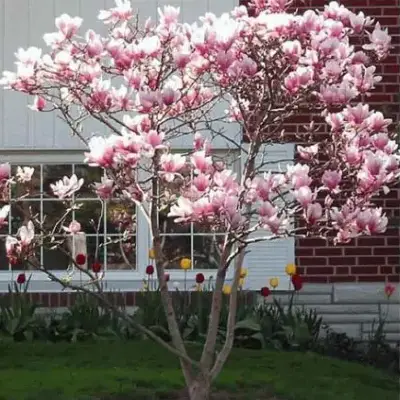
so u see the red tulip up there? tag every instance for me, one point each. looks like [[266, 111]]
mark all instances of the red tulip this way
[[200, 278], [389, 290], [166, 277], [80, 259], [149, 270], [96, 267], [297, 282], [21, 279], [265, 291]]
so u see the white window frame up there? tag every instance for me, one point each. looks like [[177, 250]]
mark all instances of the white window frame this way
[[115, 280]]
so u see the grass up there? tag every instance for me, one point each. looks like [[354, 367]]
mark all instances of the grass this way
[[143, 371]]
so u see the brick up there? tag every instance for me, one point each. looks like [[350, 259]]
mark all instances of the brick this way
[[319, 270], [364, 270], [387, 251], [386, 270], [342, 260], [394, 278], [304, 252], [371, 260], [357, 251], [371, 241], [342, 270], [329, 251], [307, 261], [316, 279], [371, 278], [393, 260]]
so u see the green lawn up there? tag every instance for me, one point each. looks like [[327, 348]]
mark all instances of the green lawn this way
[[141, 370]]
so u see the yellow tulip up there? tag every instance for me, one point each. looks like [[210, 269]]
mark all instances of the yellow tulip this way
[[274, 282], [186, 263], [152, 254], [226, 289], [243, 272], [290, 269], [241, 282]]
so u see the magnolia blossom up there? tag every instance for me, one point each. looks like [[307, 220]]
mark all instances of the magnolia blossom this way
[[74, 227], [4, 211], [5, 171], [308, 153], [24, 174], [171, 164], [105, 188], [67, 186]]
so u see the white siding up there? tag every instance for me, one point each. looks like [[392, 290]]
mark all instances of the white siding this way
[[268, 259], [23, 23]]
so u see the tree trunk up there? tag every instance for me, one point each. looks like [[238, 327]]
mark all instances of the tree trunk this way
[[200, 389]]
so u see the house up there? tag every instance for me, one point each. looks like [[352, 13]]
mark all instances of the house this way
[[345, 283]]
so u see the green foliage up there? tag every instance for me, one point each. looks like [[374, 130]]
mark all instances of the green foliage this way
[[131, 370], [17, 314]]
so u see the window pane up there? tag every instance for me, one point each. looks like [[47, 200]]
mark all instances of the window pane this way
[[29, 189], [90, 216], [53, 211], [168, 226], [175, 248], [3, 258], [56, 259], [207, 251], [53, 173], [22, 212], [95, 249], [121, 217], [121, 254], [90, 175]]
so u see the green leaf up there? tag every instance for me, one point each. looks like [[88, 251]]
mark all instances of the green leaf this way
[[248, 324]]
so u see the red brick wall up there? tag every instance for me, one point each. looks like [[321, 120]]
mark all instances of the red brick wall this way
[[367, 259]]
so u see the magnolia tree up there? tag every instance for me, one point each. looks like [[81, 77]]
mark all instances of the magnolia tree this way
[[149, 84]]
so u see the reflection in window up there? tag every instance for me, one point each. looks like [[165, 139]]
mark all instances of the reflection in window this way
[[102, 222]]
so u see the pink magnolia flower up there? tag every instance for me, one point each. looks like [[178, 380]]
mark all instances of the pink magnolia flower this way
[[201, 162], [4, 211], [74, 227], [67, 186], [5, 171], [169, 15], [292, 49], [331, 179], [304, 196], [105, 188], [267, 210], [380, 41], [11, 244], [313, 213], [170, 165], [122, 12], [26, 234], [201, 182], [376, 122], [380, 140], [94, 46], [359, 22], [24, 174], [274, 223], [39, 103], [198, 141], [308, 153], [101, 152], [67, 25], [182, 211], [372, 221], [298, 175]]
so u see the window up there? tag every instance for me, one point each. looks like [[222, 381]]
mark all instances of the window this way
[[103, 222], [199, 244]]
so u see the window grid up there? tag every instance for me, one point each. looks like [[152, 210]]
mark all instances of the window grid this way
[[41, 200]]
